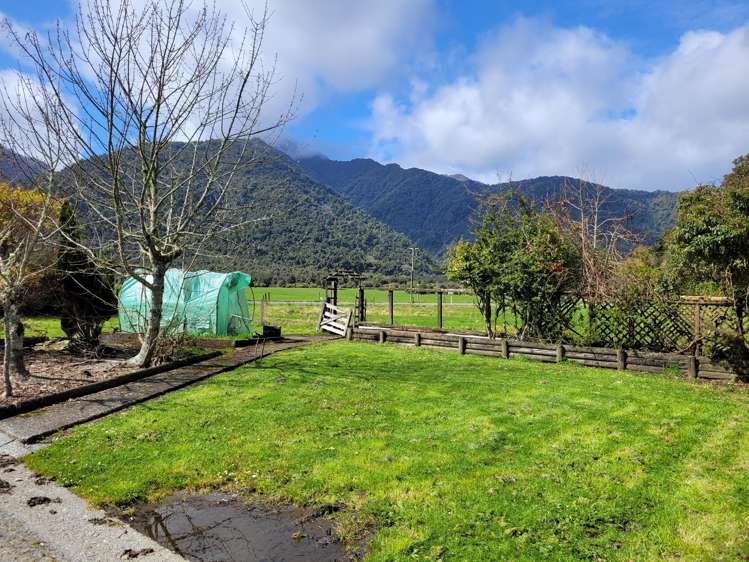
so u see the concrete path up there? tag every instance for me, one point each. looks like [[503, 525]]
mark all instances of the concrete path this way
[[18, 432], [40, 520]]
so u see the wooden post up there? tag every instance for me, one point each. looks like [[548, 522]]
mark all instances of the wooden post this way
[[621, 359], [560, 353], [439, 310], [417, 339], [383, 336], [697, 327], [350, 333], [462, 345], [391, 314], [331, 291], [693, 369], [262, 310], [504, 348], [361, 311]]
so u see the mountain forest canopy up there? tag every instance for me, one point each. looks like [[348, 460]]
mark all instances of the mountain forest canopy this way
[[434, 210], [319, 215]]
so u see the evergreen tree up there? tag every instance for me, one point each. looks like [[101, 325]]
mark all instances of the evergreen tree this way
[[87, 296]]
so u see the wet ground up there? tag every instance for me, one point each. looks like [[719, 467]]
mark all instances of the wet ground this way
[[223, 527]]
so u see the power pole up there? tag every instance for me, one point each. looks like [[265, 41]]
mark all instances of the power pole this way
[[413, 261]]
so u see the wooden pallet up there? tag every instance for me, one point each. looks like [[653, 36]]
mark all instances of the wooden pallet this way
[[334, 319]]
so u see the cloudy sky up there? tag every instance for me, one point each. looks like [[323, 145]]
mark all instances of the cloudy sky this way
[[651, 95]]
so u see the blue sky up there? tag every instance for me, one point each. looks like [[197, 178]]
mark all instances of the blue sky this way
[[635, 94]]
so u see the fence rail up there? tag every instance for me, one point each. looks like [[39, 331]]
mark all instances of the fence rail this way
[[692, 366], [676, 325]]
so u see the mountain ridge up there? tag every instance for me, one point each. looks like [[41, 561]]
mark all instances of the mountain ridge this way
[[301, 230], [413, 200]]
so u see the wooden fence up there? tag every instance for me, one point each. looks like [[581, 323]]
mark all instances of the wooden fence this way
[[669, 326], [694, 367]]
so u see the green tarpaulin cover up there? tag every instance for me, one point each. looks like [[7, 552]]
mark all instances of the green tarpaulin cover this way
[[199, 303]]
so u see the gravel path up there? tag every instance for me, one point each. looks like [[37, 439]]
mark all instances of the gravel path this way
[[40, 520], [20, 544]]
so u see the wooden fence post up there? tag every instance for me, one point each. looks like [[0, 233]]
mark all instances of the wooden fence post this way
[[462, 345], [383, 336], [262, 310], [504, 348], [391, 312], [693, 369], [560, 353], [439, 310], [350, 333], [361, 311], [417, 339], [697, 327], [621, 359]]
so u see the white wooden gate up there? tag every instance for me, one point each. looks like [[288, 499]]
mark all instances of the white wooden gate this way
[[334, 319]]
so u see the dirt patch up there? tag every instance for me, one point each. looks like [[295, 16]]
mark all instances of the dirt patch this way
[[6, 461], [219, 526], [35, 501], [54, 371], [5, 486]]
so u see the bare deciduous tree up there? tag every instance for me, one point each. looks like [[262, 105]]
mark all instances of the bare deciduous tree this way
[[24, 229], [152, 110], [602, 238]]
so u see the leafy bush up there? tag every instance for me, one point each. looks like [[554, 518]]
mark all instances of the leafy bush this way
[[87, 295]]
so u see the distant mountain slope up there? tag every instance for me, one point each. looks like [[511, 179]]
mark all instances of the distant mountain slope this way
[[17, 169], [429, 208], [312, 231], [434, 209], [306, 231]]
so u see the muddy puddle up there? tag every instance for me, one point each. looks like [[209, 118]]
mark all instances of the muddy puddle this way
[[221, 526]]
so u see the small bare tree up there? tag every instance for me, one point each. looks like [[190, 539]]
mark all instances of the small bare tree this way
[[153, 109], [583, 211], [24, 230]]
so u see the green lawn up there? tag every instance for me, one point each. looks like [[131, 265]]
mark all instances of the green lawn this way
[[50, 326], [445, 457], [302, 319]]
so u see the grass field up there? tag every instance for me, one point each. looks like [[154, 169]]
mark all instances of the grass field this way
[[445, 457], [50, 326], [303, 318], [309, 294], [289, 307]]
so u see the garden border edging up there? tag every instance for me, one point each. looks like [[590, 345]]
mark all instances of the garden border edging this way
[[694, 367], [56, 398]]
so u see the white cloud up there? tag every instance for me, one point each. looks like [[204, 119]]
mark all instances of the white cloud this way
[[549, 100], [330, 46], [320, 47]]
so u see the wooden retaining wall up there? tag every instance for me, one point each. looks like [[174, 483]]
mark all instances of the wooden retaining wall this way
[[603, 357]]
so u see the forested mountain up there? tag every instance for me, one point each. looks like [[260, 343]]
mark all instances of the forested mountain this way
[[321, 215], [17, 169], [305, 230], [311, 231], [434, 210]]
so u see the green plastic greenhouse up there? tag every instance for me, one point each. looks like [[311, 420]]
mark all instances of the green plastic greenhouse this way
[[199, 303]]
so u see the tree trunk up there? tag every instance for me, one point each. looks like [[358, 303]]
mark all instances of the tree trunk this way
[[487, 312], [153, 327], [13, 362], [13, 321], [740, 312], [7, 385]]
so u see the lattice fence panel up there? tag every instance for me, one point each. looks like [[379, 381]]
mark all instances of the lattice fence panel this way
[[653, 326]]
